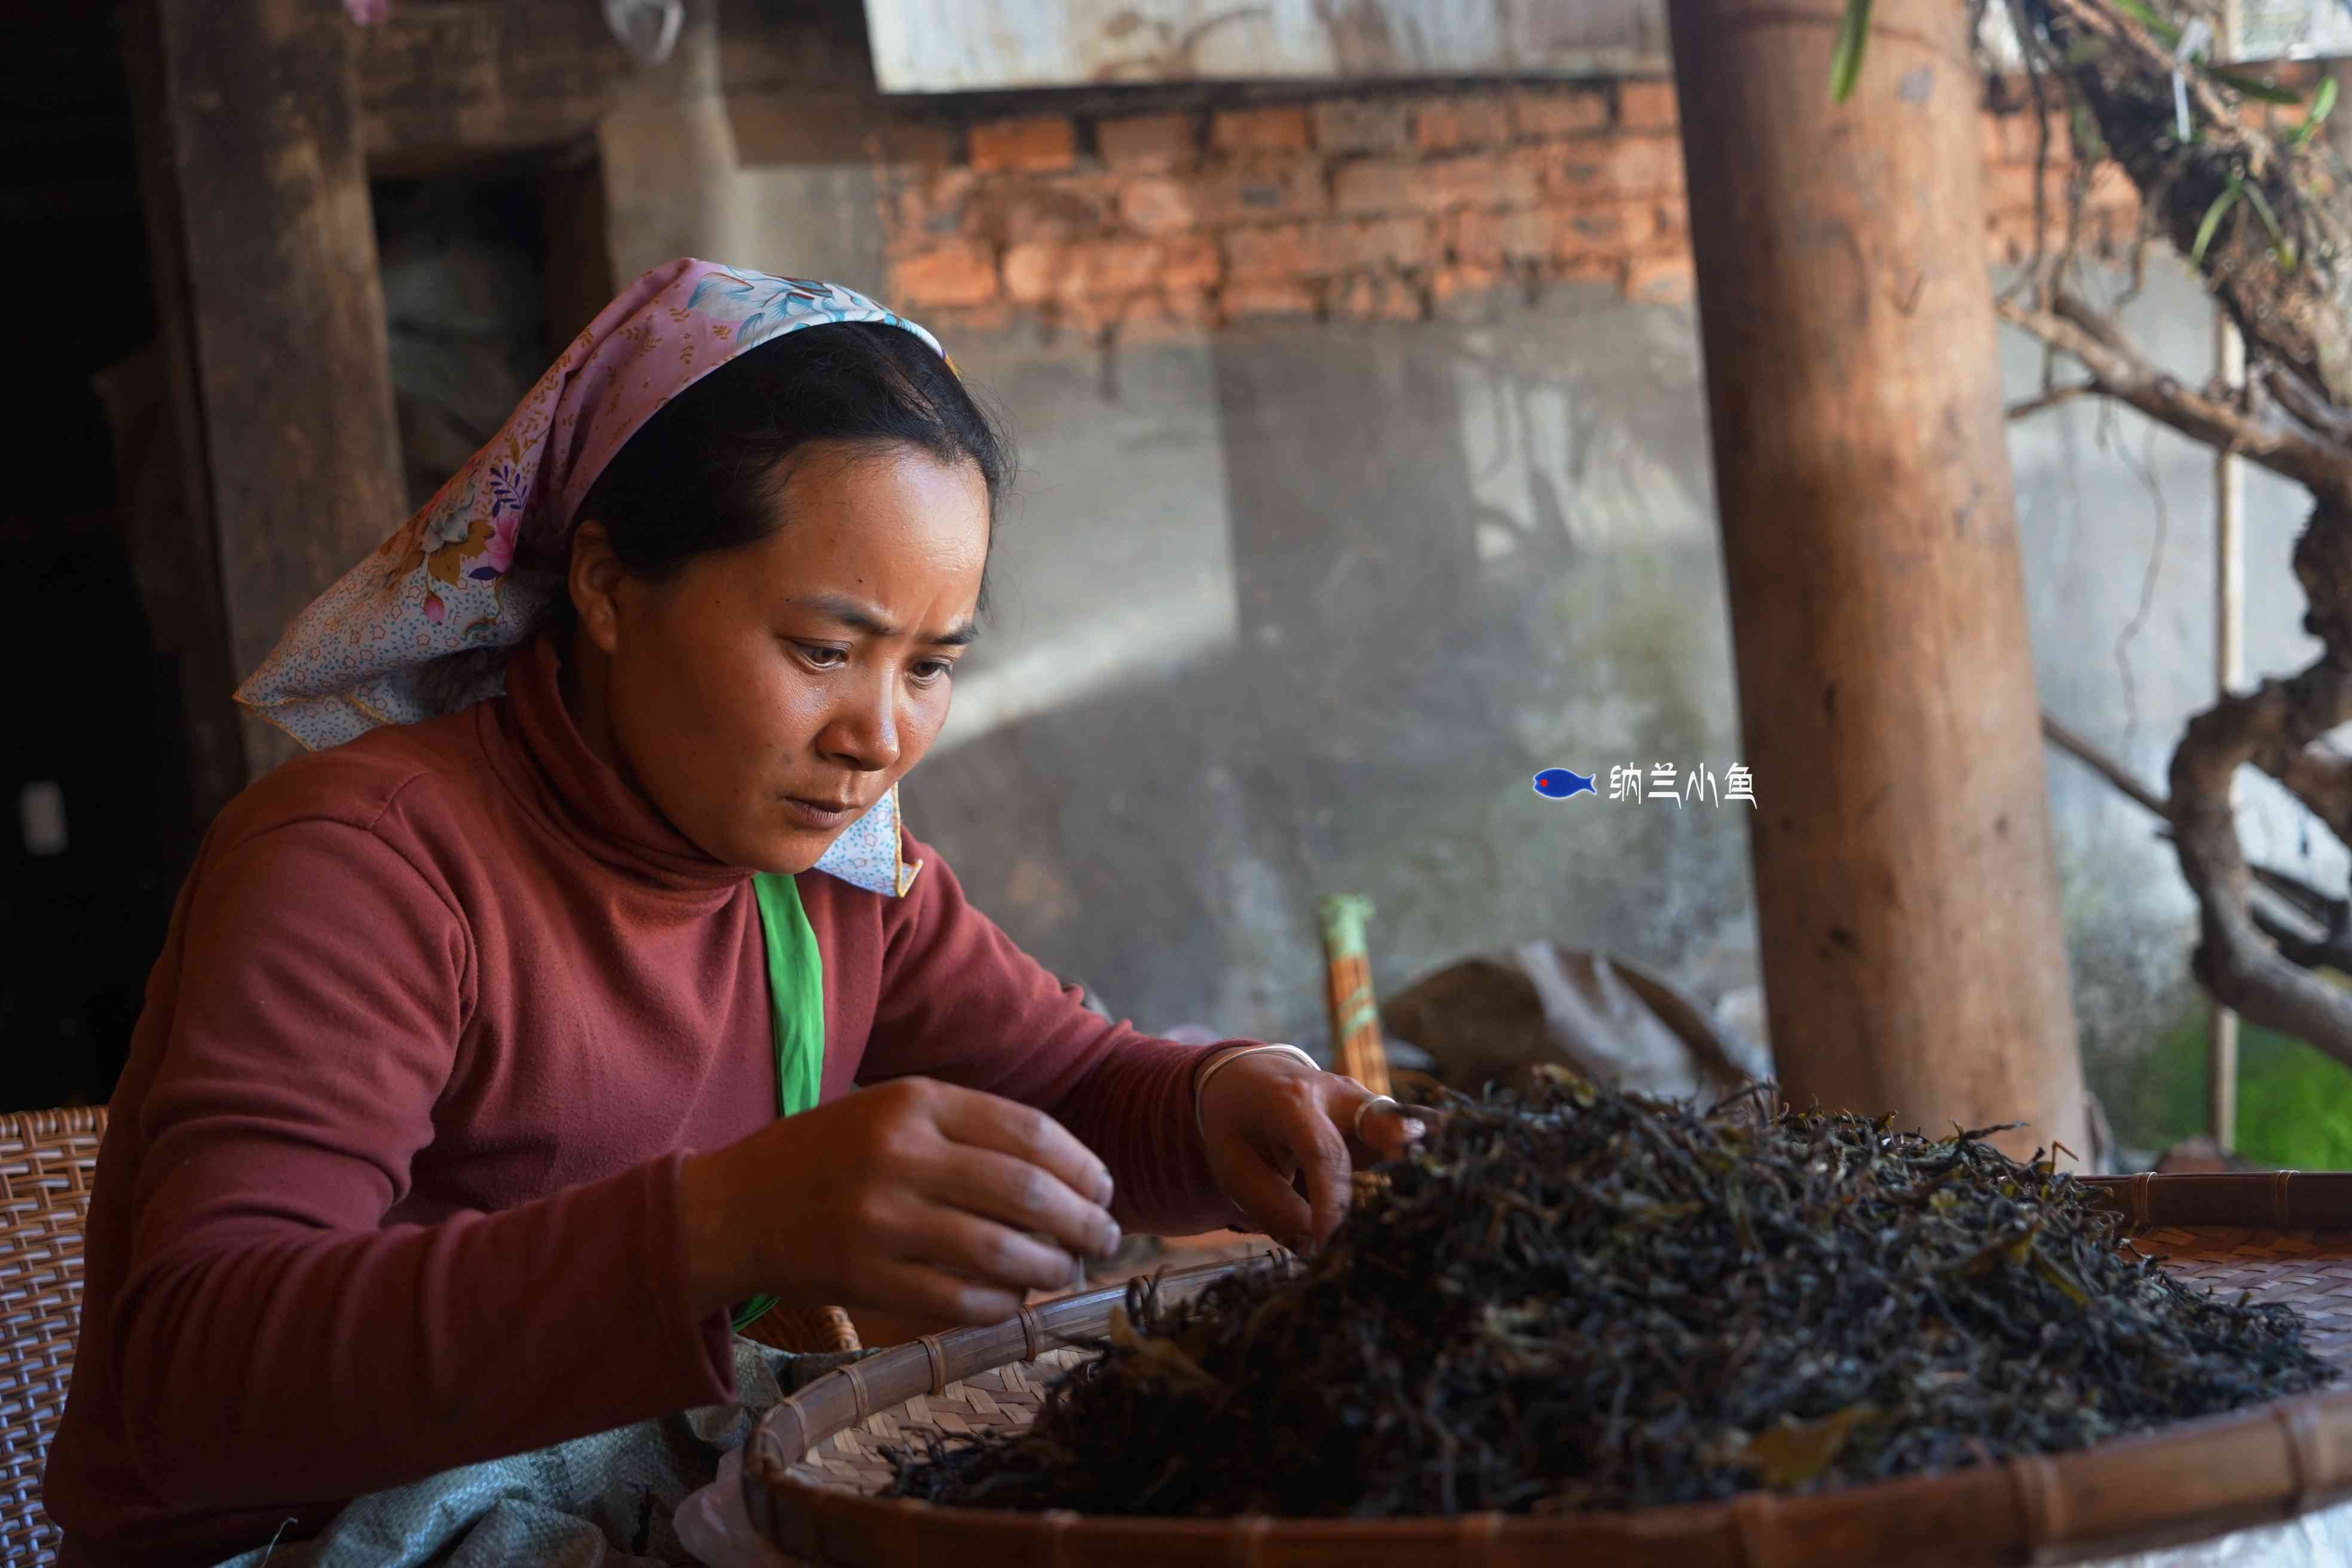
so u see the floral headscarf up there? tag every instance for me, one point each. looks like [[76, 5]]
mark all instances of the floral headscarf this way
[[423, 626]]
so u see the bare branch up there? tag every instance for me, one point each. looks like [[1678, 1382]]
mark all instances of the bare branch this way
[[2026, 408], [2105, 766], [2236, 958], [2120, 371]]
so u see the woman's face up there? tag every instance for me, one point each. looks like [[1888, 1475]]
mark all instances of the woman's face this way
[[765, 697]]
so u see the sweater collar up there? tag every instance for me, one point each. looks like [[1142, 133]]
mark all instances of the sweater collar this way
[[550, 761]]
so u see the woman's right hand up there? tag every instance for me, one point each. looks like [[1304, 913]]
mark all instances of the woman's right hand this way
[[913, 1198]]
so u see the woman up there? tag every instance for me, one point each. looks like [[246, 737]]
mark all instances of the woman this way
[[451, 1128]]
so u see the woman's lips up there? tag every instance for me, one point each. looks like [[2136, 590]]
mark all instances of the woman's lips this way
[[819, 813]]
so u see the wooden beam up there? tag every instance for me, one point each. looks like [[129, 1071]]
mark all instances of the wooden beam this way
[[447, 84], [271, 307], [1907, 889]]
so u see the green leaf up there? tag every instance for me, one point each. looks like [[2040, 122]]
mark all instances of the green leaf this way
[[2149, 19], [2280, 250], [1846, 59], [2213, 215], [2321, 106], [2255, 88]]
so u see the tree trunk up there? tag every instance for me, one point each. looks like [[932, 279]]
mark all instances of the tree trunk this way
[[1907, 889]]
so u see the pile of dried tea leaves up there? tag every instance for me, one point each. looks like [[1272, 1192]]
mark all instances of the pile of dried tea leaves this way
[[1577, 1299]]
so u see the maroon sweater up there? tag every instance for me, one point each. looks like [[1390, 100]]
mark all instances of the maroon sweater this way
[[392, 1180]]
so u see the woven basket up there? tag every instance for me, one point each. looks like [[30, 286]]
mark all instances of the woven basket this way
[[46, 1159], [812, 1466]]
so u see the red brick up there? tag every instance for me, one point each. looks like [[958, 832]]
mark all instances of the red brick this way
[[1379, 296], [1605, 166], [1190, 261], [1325, 246], [1661, 280], [958, 273], [2009, 188], [1464, 280], [1467, 120], [1282, 128], [1164, 314], [1485, 239], [1149, 144], [1554, 233], [1645, 105], [1558, 113], [1268, 300], [1378, 185], [957, 321], [1256, 192], [2021, 140], [932, 207], [1992, 146], [1362, 125], [1591, 269], [1037, 142], [1073, 206], [1038, 272], [916, 144], [2111, 188]]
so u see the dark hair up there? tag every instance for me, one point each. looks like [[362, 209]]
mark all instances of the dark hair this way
[[704, 472]]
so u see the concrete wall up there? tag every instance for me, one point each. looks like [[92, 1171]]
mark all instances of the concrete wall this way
[[1294, 610]]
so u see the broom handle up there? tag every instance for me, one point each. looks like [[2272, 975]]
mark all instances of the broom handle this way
[[1347, 992]]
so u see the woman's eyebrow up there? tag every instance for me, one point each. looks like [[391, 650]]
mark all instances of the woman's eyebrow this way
[[860, 617]]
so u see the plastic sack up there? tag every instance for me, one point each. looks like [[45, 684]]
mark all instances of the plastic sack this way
[[714, 1524], [1493, 1017]]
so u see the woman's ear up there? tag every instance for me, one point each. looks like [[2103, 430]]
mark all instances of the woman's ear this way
[[595, 586]]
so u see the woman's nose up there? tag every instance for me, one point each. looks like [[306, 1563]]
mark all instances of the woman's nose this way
[[863, 731]]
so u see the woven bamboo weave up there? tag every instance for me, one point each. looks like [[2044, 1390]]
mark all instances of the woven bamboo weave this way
[[1006, 1398], [47, 1160], [815, 1465]]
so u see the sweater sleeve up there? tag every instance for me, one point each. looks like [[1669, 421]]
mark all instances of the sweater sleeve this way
[[960, 1002], [277, 1341]]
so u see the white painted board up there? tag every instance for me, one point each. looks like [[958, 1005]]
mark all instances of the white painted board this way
[[985, 45]]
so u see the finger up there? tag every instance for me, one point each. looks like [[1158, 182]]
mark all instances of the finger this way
[[919, 1290], [1319, 1146], [1008, 1127], [1389, 1131], [1022, 1195], [1262, 1192], [987, 1253]]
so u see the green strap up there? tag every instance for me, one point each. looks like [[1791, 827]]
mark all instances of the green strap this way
[[796, 1011]]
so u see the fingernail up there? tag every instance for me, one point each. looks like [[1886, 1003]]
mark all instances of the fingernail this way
[[1103, 1189], [1106, 1240], [1414, 1126]]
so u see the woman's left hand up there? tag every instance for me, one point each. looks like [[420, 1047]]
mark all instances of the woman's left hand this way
[[1271, 1120]]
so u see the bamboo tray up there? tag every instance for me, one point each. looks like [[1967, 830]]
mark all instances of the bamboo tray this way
[[812, 1466]]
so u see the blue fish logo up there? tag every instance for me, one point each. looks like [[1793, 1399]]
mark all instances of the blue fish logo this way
[[1559, 784]]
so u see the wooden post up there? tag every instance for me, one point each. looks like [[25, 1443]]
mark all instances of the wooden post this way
[[256, 188], [1905, 885]]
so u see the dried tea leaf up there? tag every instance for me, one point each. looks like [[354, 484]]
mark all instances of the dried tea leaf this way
[[1795, 1452]]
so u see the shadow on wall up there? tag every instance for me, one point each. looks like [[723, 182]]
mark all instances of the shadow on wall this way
[[1303, 610]]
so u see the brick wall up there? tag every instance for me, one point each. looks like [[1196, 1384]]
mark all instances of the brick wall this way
[[1392, 207]]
